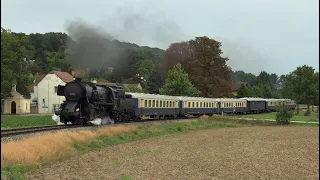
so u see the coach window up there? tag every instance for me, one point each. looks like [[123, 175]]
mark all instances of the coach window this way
[[157, 103], [197, 104], [160, 103], [189, 104], [145, 103]]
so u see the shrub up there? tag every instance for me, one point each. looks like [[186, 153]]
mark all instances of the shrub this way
[[283, 115]]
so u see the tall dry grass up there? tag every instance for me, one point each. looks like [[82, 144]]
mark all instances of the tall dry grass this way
[[56, 146]]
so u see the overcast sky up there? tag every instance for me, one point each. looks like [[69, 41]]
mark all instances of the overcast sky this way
[[271, 35]]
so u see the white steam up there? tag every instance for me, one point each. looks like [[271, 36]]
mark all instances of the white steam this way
[[102, 121]]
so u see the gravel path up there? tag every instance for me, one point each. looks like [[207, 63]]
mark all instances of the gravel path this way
[[231, 153]]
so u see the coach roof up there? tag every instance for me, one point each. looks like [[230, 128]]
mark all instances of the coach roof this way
[[152, 96]]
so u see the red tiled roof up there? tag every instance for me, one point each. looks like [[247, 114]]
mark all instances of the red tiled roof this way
[[64, 76], [236, 85], [38, 78]]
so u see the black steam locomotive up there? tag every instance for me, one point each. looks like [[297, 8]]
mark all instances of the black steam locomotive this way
[[87, 101]]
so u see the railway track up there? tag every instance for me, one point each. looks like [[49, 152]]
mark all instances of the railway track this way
[[19, 131]]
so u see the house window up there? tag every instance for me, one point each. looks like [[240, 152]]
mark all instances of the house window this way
[[55, 89]]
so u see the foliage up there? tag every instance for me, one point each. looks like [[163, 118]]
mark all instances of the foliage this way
[[302, 85], [25, 55], [283, 115], [201, 58], [178, 83], [13, 71], [260, 90], [241, 76], [155, 81], [134, 89]]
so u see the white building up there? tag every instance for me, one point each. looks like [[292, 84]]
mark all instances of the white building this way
[[46, 91]]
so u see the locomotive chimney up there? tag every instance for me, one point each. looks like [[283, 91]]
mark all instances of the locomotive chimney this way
[[77, 79]]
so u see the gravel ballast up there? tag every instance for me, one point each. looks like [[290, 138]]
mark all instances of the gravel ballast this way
[[230, 153]]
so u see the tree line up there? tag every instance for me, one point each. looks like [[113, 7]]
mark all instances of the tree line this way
[[190, 68]]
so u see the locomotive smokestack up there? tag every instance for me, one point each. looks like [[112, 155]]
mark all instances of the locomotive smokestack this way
[[77, 79]]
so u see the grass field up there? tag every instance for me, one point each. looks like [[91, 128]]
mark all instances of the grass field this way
[[16, 121], [20, 157], [313, 117]]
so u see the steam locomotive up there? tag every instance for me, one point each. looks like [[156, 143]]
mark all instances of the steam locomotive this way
[[86, 101]]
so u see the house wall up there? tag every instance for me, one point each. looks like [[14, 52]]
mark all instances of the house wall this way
[[22, 105], [25, 106], [47, 95]]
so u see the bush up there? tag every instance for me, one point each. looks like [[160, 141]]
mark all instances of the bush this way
[[283, 115]]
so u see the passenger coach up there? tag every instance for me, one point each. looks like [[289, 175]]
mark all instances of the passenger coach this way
[[231, 105], [198, 106], [255, 105], [155, 106]]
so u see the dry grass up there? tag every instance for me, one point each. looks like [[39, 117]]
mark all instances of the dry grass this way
[[56, 146], [204, 117]]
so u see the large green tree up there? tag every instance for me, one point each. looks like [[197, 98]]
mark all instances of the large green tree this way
[[302, 85], [178, 84], [13, 63]]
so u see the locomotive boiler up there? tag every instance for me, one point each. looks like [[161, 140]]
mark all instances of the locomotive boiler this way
[[85, 101]]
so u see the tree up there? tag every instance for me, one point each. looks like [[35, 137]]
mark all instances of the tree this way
[[201, 59], [134, 89], [264, 78], [241, 76], [178, 83], [155, 81], [300, 85], [243, 91], [283, 115], [13, 71]]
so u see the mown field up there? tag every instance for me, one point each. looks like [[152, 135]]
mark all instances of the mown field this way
[[16, 121], [312, 117], [34, 154]]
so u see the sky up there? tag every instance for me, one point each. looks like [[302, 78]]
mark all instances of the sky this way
[[256, 35]]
